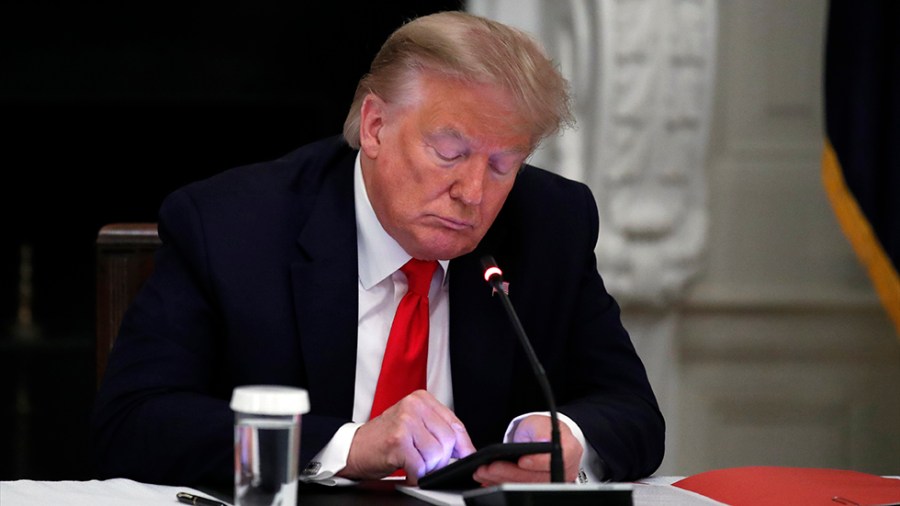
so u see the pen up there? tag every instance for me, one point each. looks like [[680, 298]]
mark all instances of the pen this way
[[197, 500]]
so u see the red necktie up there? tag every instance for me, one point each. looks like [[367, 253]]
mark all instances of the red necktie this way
[[406, 355]]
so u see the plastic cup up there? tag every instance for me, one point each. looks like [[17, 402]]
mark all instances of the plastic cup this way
[[267, 444]]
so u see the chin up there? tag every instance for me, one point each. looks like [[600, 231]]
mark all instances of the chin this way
[[442, 246], [444, 252]]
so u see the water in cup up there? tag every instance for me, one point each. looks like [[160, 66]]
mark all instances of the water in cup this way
[[265, 475], [267, 444]]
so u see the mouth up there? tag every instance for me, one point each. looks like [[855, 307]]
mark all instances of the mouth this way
[[454, 224]]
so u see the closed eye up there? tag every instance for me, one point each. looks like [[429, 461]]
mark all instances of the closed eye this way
[[504, 166], [448, 156], [447, 145]]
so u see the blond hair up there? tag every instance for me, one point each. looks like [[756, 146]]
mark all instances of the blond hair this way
[[473, 49]]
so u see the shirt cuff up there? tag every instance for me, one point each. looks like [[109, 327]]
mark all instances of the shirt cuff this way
[[591, 467], [328, 462]]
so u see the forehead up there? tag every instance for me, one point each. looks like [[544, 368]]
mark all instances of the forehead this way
[[481, 115]]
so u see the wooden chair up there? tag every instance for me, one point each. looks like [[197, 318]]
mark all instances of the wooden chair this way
[[124, 261]]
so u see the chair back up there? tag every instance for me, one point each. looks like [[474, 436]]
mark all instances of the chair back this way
[[124, 261]]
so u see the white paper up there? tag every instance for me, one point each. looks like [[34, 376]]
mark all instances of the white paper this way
[[438, 497], [115, 492]]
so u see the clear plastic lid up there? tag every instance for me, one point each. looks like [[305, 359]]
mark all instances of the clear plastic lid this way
[[270, 400]]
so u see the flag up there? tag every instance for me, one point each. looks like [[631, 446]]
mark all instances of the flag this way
[[861, 154]]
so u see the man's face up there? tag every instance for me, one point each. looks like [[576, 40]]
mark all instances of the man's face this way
[[439, 168]]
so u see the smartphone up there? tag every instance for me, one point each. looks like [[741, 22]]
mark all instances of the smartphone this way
[[458, 475]]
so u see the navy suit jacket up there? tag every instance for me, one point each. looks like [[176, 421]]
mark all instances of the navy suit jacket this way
[[256, 283]]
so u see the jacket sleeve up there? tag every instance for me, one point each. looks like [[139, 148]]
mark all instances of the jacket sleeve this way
[[162, 412], [156, 416], [605, 387]]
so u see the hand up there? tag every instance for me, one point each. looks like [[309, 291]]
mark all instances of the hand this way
[[534, 468], [418, 435]]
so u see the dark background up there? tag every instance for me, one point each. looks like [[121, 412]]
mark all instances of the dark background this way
[[105, 108]]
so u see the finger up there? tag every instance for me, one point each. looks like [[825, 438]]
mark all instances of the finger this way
[[542, 461], [452, 431], [436, 433], [462, 443], [535, 462], [507, 472], [463, 447], [401, 432], [411, 444], [413, 463], [434, 442], [443, 430]]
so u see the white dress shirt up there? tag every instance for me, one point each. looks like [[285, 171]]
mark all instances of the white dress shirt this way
[[381, 286]]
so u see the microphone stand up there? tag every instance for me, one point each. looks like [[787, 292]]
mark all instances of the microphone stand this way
[[556, 492], [541, 494], [494, 276]]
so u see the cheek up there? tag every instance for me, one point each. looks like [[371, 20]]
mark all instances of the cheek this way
[[403, 183], [415, 176]]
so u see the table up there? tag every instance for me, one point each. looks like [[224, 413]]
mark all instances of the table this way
[[122, 492]]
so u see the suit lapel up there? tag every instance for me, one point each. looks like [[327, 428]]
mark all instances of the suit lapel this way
[[325, 292], [480, 340]]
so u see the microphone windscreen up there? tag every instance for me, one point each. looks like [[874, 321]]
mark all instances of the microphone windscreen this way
[[489, 265]]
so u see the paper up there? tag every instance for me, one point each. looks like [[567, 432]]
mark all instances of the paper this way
[[651, 492], [115, 492], [661, 493], [438, 497]]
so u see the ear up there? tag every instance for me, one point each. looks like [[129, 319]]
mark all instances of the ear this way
[[371, 121]]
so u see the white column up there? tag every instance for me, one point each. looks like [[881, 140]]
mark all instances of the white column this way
[[642, 76]]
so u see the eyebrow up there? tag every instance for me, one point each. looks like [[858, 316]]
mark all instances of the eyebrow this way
[[456, 134], [447, 132]]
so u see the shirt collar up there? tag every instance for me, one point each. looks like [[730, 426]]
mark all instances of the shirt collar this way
[[378, 254]]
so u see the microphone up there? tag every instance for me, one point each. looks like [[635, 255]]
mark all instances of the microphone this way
[[556, 492], [494, 276]]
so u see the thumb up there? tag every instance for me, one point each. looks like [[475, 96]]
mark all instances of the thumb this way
[[535, 428]]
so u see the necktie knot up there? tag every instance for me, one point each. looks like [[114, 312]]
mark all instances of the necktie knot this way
[[418, 274]]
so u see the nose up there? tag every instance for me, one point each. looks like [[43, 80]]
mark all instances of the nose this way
[[468, 186]]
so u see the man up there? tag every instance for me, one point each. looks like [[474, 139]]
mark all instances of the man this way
[[290, 272]]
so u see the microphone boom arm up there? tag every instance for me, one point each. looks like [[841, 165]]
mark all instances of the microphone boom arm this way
[[494, 277]]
